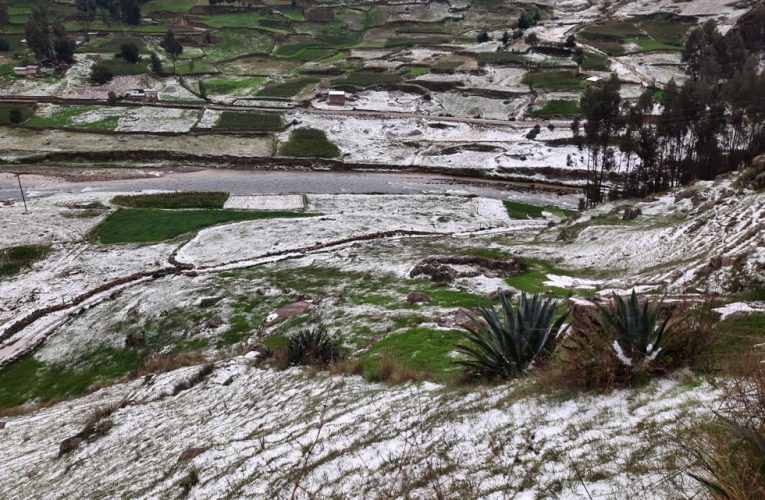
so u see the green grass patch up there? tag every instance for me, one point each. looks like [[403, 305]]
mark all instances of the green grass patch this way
[[61, 117], [666, 27], [286, 89], [118, 67], [233, 20], [167, 6], [650, 45], [141, 225], [733, 340], [503, 59], [218, 86], [524, 211], [230, 43], [594, 61], [277, 342], [363, 79], [555, 80], [532, 281], [305, 52], [559, 107], [112, 44], [232, 120], [29, 380], [186, 199], [446, 297], [419, 349], [309, 142], [418, 70], [14, 259]]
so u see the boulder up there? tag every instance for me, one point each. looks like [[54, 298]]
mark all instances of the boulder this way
[[461, 318], [294, 309], [190, 453], [209, 301], [417, 298], [631, 213]]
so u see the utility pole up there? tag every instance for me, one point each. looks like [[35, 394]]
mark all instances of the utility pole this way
[[23, 198]]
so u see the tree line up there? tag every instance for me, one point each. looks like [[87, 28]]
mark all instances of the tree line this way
[[711, 124]]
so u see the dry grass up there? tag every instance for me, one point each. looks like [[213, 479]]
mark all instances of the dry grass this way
[[347, 367], [162, 364], [198, 377], [19, 411], [586, 358], [394, 371], [729, 454]]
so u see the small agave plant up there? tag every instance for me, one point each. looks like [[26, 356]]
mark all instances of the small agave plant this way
[[640, 333], [312, 346], [508, 344]]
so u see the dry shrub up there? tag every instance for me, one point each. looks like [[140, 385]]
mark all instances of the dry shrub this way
[[586, 357], [394, 371], [586, 360], [347, 367], [188, 481], [162, 364], [280, 359], [199, 376], [96, 425], [690, 340], [729, 454], [18, 411]]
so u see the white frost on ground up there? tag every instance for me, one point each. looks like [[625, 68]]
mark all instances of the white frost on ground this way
[[430, 142], [261, 432], [345, 216], [554, 280], [739, 309], [683, 242], [266, 202]]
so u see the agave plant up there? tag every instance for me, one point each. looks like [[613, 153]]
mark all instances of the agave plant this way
[[640, 333], [312, 345], [507, 345]]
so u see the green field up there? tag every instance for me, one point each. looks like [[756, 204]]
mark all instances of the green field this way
[[650, 45], [594, 61], [503, 59], [31, 380], [363, 79], [64, 117], [524, 211], [286, 89], [559, 107], [232, 120], [112, 44], [218, 86], [554, 80], [167, 6], [179, 200], [309, 142], [420, 350], [145, 225]]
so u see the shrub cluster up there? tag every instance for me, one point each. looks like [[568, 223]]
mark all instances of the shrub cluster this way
[[615, 345]]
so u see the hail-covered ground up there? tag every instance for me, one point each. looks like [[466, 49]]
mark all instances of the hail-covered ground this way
[[242, 428]]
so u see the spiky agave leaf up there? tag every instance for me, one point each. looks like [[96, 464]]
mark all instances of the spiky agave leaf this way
[[637, 325], [508, 344], [312, 346]]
